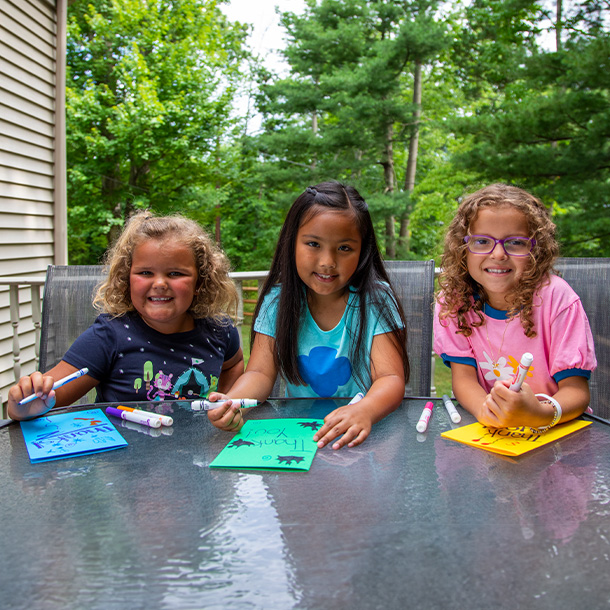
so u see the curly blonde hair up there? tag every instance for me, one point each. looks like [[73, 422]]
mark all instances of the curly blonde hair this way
[[456, 286], [215, 292]]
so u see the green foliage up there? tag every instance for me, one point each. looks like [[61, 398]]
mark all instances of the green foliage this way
[[152, 87], [438, 194], [544, 121], [345, 111], [149, 96]]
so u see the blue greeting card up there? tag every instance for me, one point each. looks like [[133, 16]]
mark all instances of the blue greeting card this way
[[53, 437], [271, 444]]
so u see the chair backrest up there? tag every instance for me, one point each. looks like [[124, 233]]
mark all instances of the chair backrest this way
[[413, 282], [67, 309], [590, 279]]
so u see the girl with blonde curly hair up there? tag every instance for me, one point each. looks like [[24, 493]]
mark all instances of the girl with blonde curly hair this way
[[498, 298], [163, 331]]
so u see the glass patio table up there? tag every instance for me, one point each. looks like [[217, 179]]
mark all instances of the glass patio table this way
[[405, 520]]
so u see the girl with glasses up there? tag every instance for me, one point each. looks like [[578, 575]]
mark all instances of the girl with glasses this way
[[498, 298]]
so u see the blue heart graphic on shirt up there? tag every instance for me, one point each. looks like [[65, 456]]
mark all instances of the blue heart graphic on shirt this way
[[323, 371]]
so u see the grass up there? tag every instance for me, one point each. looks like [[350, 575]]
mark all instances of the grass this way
[[245, 341], [442, 377], [442, 373]]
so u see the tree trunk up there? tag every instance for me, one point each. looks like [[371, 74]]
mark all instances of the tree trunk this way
[[558, 26], [137, 182], [388, 176], [111, 192], [314, 129], [358, 172], [411, 170]]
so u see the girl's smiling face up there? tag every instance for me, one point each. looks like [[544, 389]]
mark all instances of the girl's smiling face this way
[[162, 280], [327, 252], [498, 272]]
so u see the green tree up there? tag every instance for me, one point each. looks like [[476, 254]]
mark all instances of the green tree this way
[[150, 92], [349, 101], [542, 119]]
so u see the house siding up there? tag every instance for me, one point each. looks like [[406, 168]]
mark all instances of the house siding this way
[[27, 164]]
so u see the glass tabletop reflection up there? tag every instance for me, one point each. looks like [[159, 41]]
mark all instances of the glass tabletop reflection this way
[[403, 520]]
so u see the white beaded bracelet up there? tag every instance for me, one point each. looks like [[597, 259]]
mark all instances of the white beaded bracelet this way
[[556, 416]]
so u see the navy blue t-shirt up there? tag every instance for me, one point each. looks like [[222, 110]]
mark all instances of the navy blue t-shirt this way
[[133, 361]]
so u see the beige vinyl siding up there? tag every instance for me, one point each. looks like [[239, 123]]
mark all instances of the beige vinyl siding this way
[[27, 170]]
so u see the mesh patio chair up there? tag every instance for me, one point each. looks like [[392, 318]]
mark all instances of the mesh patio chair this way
[[590, 279], [67, 311], [413, 282]]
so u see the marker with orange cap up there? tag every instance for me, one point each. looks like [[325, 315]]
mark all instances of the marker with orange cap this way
[[165, 419], [137, 418]]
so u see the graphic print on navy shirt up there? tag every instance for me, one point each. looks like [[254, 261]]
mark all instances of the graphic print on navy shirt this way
[[323, 371], [190, 382], [134, 362]]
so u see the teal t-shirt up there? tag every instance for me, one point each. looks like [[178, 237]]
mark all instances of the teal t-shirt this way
[[324, 356]]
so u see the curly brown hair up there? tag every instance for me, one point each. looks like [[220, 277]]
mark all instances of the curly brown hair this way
[[457, 288], [215, 293]]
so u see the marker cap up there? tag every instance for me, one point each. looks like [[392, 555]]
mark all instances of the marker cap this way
[[527, 359]]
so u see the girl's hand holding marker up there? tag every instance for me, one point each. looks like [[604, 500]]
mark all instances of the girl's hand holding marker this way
[[224, 412], [56, 385], [25, 407]]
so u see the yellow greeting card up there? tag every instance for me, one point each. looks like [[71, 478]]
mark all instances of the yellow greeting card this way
[[510, 441]]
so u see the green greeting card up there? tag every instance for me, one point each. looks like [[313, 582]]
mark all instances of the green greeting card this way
[[271, 444]]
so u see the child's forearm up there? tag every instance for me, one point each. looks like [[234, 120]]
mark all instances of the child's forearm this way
[[232, 370], [252, 384], [384, 396], [573, 396], [467, 389]]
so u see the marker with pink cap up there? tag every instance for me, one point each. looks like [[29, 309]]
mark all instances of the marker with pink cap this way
[[422, 424]]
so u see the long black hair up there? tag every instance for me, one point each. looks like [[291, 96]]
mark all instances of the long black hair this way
[[370, 281]]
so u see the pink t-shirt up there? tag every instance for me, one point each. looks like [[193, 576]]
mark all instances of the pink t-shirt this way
[[563, 346]]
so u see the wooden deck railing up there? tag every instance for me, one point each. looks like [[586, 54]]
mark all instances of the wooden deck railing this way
[[14, 284]]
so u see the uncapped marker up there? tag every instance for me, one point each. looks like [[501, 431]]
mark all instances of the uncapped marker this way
[[206, 405]]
